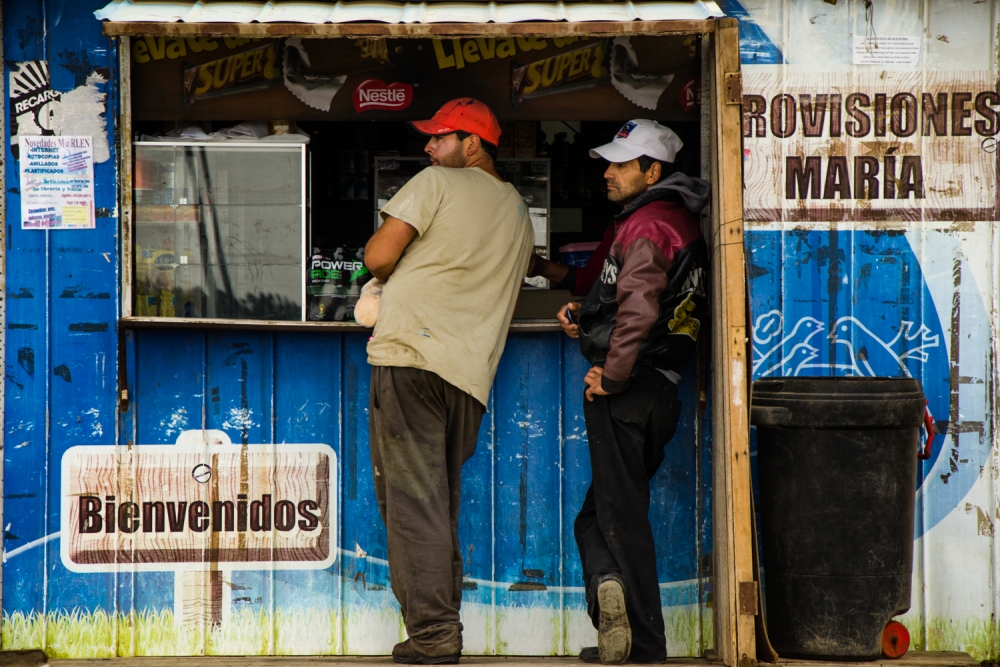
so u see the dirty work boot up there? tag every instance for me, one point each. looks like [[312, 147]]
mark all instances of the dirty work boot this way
[[405, 653], [614, 634]]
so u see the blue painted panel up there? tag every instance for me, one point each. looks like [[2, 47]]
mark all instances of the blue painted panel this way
[[27, 371], [361, 519], [673, 500], [847, 303], [168, 385], [240, 373], [756, 48], [575, 465], [307, 385], [527, 460], [61, 370], [527, 537], [307, 396], [167, 390], [477, 512]]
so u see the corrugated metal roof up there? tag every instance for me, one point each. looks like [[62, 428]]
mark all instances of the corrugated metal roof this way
[[131, 11]]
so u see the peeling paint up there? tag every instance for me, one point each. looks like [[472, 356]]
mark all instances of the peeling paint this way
[[80, 112]]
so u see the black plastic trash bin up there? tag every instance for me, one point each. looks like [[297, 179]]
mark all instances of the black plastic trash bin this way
[[837, 463]]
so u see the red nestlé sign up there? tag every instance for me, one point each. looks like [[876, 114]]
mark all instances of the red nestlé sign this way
[[372, 94]]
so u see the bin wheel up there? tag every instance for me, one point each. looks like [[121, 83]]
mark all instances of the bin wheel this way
[[895, 640]]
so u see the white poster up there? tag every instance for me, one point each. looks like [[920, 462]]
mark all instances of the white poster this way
[[884, 50], [57, 182]]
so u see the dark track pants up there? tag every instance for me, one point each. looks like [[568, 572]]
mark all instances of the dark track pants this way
[[627, 433], [422, 429]]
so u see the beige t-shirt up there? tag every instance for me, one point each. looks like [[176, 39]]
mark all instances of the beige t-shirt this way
[[447, 306]]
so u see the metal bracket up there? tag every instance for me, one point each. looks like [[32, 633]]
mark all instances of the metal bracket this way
[[122, 371], [734, 87], [748, 598]]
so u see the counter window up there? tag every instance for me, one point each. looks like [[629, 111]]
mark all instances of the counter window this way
[[254, 199]]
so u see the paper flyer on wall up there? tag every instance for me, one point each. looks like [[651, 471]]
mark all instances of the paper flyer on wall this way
[[57, 182]]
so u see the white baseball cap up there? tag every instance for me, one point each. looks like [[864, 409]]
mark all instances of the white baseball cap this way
[[640, 137]]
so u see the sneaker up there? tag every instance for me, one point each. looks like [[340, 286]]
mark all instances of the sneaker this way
[[405, 653], [614, 635]]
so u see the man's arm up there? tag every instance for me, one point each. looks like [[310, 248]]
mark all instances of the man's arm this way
[[554, 271], [383, 250]]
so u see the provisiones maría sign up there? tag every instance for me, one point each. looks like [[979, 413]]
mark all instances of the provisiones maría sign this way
[[874, 144]]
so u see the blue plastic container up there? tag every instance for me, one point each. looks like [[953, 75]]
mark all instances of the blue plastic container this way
[[577, 254]]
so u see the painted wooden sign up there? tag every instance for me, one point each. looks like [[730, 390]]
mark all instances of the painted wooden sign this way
[[870, 146], [176, 507]]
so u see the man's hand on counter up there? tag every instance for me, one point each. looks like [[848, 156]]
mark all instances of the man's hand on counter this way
[[571, 329], [554, 271], [384, 249]]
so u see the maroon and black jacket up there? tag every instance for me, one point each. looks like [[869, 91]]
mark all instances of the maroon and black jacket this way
[[649, 304]]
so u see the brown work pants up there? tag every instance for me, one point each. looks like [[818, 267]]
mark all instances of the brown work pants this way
[[422, 429]]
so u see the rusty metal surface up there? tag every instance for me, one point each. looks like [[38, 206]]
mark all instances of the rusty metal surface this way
[[748, 598], [734, 87], [452, 30], [186, 11]]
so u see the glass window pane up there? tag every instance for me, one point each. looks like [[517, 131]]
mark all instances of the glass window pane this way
[[218, 231]]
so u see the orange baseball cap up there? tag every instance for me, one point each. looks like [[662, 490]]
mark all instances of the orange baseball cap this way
[[464, 114]]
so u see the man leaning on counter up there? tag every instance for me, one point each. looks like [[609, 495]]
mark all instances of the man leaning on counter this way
[[452, 250]]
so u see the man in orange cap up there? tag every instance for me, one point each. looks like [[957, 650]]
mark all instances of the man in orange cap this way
[[452, 249]]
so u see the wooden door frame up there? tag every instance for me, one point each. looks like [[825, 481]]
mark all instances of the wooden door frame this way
[[734, 586]]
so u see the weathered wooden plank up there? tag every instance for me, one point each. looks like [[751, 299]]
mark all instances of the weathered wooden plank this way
[[734, 632], [125, 169], [285, 325], [724, 630]]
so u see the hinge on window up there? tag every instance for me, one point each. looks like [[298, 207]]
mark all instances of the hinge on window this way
[[734, 87], [748, 598]]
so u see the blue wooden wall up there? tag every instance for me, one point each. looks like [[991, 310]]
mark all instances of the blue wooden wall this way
[[831, 300], [521, 490]]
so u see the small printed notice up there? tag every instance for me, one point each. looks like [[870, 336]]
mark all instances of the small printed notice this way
[[57, 182], [886, 50]]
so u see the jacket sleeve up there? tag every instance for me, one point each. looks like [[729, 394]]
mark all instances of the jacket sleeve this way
[[642, 278]]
